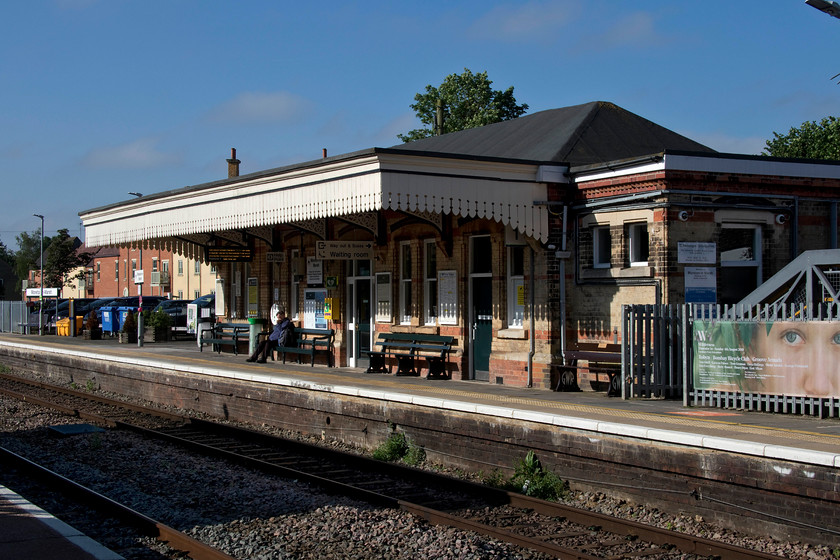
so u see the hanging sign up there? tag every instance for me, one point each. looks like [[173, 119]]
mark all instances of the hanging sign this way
[[344, 250]]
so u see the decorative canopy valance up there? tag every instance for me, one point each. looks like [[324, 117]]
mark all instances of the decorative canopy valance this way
[[504, 192]]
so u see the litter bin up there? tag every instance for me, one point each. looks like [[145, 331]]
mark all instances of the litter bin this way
[[110, 319], [255, 327]]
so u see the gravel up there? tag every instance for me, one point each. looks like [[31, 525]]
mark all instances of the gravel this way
[[252, 516]]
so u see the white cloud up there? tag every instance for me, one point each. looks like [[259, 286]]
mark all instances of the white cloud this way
[[259, 107], [140, 154], [534, 21]]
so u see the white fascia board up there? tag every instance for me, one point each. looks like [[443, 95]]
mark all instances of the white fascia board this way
[[601, 175], [752, 166]]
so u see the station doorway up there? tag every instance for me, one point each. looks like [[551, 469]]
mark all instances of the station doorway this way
[[359, 313], [481, 307]]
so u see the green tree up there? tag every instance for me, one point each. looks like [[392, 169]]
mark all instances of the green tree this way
[[812, 140], [29, 252], [466, 101], [6, 255], [63, 259]]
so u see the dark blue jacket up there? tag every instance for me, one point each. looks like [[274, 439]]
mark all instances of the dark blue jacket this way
[[279, 328]]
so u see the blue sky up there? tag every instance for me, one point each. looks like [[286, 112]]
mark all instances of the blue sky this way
[[102, 97]]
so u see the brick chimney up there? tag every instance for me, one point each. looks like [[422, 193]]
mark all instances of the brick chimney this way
[[233, 164]]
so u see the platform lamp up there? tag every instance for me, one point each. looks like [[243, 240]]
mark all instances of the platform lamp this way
[[140, 326], [41, 282]]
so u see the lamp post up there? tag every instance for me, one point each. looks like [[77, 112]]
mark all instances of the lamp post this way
[[140, 326], [41, 282]]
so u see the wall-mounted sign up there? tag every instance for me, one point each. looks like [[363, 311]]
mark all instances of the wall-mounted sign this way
[[228, 254], [693, 252], [275, 257], [314, 271], [138, 276], [700, 284], [344, 250]]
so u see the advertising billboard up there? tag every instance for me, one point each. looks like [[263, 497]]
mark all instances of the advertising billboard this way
[[796, 358]]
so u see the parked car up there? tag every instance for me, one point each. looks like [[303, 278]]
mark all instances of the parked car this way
[[206, 301], [149, 302], [63, 309], [94, 307], [177, 310]]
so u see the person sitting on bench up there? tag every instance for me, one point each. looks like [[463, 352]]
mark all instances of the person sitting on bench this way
[[280, 334]]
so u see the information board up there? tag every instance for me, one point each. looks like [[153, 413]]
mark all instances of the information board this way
[[229, 254]]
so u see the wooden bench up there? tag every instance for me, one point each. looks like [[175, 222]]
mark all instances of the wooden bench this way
[[225, 333], [309, 343], [600, 357], [406, 348]]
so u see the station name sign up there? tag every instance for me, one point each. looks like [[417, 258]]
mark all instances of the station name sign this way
[[229, 254], [343, 250]]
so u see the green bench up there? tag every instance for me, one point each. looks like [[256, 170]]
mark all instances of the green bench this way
[[225, 334], [406, 348], [310, 342]]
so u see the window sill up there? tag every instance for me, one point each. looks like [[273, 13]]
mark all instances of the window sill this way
[[512, 333], [615, 273]]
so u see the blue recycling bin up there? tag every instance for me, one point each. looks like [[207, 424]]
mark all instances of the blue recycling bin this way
[[110, 319], [121, 313]]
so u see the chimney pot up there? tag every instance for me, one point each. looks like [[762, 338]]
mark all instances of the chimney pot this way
[[325, 152]]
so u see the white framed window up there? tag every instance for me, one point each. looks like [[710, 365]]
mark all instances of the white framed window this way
[[180, 294], [196, 294], [740, 261], [125, 262], [383, 297], [601, 246], [430, 282], [516, 287], [98, 271], [133, 267], [164, 265], [638, 244], [116, 271], [180, 267], [405, 282], [154, 264], [197, 268]]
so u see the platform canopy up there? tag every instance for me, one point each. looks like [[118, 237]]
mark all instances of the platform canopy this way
[[507, 191]]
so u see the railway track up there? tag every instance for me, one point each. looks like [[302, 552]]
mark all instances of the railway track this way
[[51, 481], [549, 528]]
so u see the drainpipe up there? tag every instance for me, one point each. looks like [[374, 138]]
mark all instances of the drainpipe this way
[[563, 284], [532, 321]]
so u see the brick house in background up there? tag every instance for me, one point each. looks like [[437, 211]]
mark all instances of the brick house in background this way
[[518, 238]]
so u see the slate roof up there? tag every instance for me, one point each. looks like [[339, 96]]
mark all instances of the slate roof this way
[[588, 134]]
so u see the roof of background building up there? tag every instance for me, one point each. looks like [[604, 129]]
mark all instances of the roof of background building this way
[[592, 133]]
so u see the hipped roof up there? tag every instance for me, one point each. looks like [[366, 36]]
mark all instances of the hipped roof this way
[[592, 133]]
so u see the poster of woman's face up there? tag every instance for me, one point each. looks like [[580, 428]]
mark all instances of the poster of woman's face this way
[[795, 358], [802, 358]]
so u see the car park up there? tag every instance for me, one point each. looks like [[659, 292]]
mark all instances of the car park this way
[[177, 310]]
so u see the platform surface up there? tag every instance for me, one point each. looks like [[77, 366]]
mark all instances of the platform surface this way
[[803, 439], [27, 532]]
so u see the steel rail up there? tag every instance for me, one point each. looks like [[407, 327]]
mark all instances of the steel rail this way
[[647, 533], [171, 537]]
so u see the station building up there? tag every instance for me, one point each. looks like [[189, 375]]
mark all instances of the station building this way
[[519, 238]]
